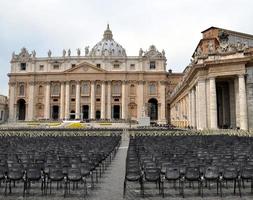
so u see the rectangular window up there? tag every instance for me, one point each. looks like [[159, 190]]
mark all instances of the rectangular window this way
[[152, 65], [98, 100], [73, 100], [73, 65], [41, 67], [22, 66], [56, 67], [116, 66], [98, 65]]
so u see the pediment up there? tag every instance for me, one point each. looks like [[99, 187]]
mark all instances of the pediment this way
[[85, 68]]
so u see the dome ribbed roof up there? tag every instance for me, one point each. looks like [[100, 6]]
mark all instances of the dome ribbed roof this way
[[107, 46]]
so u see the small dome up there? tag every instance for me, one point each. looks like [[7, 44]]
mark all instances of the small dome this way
[[107, 46]]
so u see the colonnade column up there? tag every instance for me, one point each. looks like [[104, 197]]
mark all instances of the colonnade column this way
[[77, 100], [243, 103], [189, 108], [109, 96], [62, 100], [193, 108], [201, 99], [31, 101], [123, 113], [213, 104], [47, 102], [92, 100], [12, 112], [67, 101], [103, 101]]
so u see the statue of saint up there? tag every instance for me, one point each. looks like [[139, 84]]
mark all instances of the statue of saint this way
[[33, 53], [86, 50], [13, 54], [78, 52], [49, 53], [64, 53], [69, 52], [140, 52], [163, 53]]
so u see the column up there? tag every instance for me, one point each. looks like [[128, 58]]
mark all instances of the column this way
[[31, 94], [47, 102], [189, 108], [12, 112], [123, 99], [78, 100], [67, 101], [243, 103], [201, 99], [194, 108], [162, 114], [213, 104], [103, 100], [140, 93], [62, 100], [109, 103], [237, 108], [92, 100]]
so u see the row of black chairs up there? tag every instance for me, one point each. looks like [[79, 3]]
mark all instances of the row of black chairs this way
[[60, 160], [186, 160]]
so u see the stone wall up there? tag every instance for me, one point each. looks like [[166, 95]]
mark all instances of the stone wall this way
[[250, 96]]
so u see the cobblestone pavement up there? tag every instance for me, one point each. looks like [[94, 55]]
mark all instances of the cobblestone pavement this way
[[110, 187]]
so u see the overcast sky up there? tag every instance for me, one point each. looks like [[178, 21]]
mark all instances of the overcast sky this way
[[174, 26]]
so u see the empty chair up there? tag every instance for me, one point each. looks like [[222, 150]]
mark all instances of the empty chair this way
[[74, 176], [173, 174], [212, 174], [34, 174], [152, 174], [230, 174], [133, 174], [54, 175], [15, 173], [247, 175], [192, 174]]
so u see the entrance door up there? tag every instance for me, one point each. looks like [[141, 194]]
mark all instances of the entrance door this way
[[72, 115], [98, 114], [85, 112], [21, 109], [223, 105], [153, 109], [116, 112], [55, 113]]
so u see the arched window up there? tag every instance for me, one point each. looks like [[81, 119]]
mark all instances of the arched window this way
[[40, 90], [85, 89], [98, 90], [116, 89], [73, 89], [132, 90], [152, 89], [22, 90], [56, 89]]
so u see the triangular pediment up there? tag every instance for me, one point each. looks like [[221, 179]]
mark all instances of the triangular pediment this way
[[85, 67]]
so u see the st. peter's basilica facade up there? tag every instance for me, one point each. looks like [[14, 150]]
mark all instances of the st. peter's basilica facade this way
[[103, 84]]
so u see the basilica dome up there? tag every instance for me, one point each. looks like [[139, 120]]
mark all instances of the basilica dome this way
[[107, 46]]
